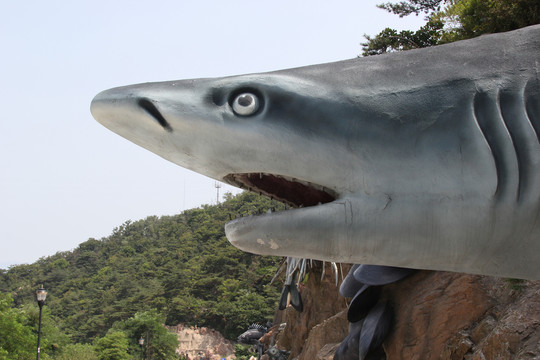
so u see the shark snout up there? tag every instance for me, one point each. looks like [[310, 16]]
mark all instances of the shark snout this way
[[168, 120], [122, 111], [107, 106]]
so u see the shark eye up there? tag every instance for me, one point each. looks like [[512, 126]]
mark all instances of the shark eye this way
[[245, 104]]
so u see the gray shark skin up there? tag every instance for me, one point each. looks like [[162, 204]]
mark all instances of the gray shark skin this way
[[426, 159]]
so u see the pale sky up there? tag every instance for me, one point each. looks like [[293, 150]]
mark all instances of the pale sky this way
[[65, 178]]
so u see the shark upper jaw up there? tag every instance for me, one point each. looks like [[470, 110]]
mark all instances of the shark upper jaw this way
[[285, 189]]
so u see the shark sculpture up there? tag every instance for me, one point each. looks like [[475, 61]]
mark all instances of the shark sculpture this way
[[426, 159]]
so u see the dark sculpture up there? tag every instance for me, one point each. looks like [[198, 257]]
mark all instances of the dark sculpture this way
[[252, 334], [296, 270], [370, 318], [426, 159], [290, 294], [276, 354]]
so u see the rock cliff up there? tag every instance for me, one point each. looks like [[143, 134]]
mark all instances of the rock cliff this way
[[438, 315], [197, 342]]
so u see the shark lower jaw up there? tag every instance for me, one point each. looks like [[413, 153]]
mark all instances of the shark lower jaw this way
[[296, 232], [285, 189], [270, 233]]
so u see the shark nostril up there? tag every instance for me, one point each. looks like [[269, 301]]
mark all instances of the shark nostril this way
[[151, 109]]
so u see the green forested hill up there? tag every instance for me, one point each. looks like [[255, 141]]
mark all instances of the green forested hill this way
[[182, 266]]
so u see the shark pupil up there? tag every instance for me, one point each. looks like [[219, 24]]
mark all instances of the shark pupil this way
[[245, 100]]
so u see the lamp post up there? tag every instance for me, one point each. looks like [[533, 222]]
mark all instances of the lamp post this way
[[141, 343], [41, 295]]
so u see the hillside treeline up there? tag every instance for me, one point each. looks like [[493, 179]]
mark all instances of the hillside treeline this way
[[180, 266]]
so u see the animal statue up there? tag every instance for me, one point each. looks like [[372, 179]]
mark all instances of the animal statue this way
[[252, 335], [425, 159]]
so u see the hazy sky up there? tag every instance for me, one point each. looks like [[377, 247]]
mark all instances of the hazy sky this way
[[64, 178]]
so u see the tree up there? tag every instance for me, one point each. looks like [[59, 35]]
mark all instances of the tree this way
[[244, 352], [77, 351], [477, 17], [390, 40], [17, 339], [405, 8], [159, 343], [113, 346], [247, 308], [452, 20], [52, 338]]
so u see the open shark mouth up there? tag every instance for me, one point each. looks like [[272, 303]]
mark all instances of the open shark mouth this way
[[291, 191]]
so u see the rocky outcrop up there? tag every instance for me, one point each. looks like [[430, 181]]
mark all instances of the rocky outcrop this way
[[430, 309], [196, 341], [438, 315], [321, 303], [448, 316], [509, 330]]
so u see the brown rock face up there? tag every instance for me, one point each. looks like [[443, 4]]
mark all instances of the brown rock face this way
[[438, 315], [451, 316], [430, 308], [321, 302], [517, 333], [332, 330]]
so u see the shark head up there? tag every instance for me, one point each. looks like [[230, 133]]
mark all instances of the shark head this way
[[387, 160], [295, 136], [272, 134], [245, 136]]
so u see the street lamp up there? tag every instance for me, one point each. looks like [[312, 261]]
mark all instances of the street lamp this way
[[41, 295], [141, 343]]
